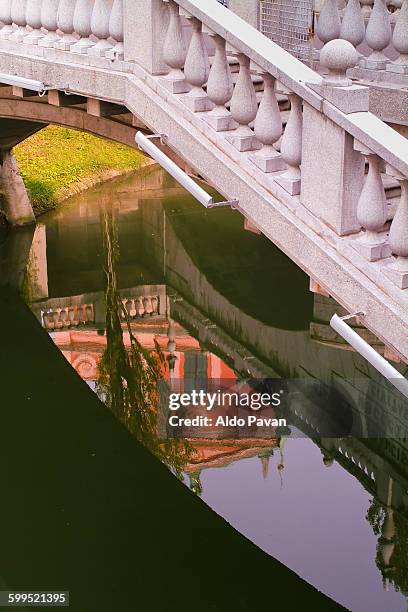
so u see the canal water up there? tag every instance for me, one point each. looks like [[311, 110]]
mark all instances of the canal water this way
[[138, 285]]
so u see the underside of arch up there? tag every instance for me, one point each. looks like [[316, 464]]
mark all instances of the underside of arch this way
[[21, 118], [12, 132]]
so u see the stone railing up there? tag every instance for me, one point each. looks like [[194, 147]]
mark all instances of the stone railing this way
[[320, 156], [321, 164], [318, 151], [372, 24], [93, 27]]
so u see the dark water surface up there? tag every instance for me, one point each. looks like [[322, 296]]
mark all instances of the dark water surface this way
[[136, 267]]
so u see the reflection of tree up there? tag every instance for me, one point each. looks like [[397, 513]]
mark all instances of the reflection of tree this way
[[392, 549], [195, 483], [128, 377]]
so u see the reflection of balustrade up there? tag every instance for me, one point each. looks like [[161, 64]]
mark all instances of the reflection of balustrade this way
[[141, 307], [72, 316]]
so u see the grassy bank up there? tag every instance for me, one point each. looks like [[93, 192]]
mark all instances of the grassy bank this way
[[57, 162]]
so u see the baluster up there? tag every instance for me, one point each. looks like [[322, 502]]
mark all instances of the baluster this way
[[133, 310], [139, 307], [151, 312], [155, 306], [71, 316], [18, 12], [116, 31], [400, 41], [33, 19], [268, 129], [82, 26], [76, 316], [65, 22], [64, 317], [378, 36], [55, 318], [128, 307], [366, 8], [219, 87], [196, 70], [89, 313], [49, 13], [100, 27], [174, 52], [123, 310], [48, 320], [244, 108], [352, 26], [372, 210], [291, 147], [328, 25], [146, 306], [398, 238], [80, 314], [5, 17]]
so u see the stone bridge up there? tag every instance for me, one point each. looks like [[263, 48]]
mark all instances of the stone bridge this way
[[312, 175]]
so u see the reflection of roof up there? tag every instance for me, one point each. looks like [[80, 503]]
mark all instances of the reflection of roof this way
[[220, 453]]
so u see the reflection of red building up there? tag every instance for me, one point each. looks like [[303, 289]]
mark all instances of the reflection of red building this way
[[220, 453], [83, 349]]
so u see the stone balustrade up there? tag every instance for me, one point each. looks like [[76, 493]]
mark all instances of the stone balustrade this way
[[254, 125], [200, 75], [299, 151], [377, 25], [93, 27], [233, 108]]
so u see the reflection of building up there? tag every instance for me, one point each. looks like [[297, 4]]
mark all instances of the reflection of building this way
[[191, 367], [84, 348]]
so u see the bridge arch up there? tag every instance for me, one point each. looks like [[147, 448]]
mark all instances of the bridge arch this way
[[39, 112]]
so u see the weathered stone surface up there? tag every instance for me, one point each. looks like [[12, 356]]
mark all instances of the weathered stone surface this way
[[349, 99], [144, 33], [332, 173], [17, 205]]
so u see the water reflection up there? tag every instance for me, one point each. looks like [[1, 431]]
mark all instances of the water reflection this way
[[128, 376], [141, 287]]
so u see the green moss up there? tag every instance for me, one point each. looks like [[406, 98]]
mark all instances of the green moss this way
[[56, 159]]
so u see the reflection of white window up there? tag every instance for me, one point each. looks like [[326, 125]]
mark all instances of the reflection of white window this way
[[288, 23]]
